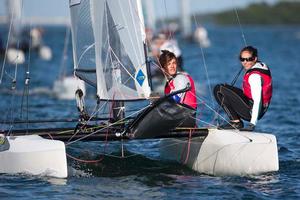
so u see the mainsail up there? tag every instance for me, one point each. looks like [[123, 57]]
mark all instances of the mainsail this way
[[109, 47]]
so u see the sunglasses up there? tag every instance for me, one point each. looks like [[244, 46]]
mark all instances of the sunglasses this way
[[247, 59]]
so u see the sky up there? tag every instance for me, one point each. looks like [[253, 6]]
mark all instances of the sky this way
[[163, 8]]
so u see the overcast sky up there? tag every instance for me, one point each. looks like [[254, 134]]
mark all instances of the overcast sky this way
[[52, 8]]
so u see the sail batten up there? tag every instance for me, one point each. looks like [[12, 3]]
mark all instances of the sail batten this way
[[115, 47]]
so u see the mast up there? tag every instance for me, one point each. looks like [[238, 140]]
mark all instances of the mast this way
[[186, 26], [150, 14], [15, 13]]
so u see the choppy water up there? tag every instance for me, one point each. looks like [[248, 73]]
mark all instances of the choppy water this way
[[144, 175]]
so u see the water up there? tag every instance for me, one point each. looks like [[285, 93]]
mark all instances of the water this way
[[144, 175]]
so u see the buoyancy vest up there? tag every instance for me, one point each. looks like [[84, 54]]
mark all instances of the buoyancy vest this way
[[189, 97], [266, 83]]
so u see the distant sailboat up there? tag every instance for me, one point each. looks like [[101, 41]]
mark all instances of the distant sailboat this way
[[200, 34], [19, 40], [65, 86]]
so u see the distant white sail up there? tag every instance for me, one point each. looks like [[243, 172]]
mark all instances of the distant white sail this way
[[186, 24], [150, 14], [108, 46], [15, 14]]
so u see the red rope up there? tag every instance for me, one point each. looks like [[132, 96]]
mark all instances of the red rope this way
[[105, 145], [187, 148]]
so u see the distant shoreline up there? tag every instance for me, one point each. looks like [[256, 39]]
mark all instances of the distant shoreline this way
[[260, 13], [281, 13]]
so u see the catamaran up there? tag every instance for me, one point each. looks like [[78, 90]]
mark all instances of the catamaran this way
[[110, 53]]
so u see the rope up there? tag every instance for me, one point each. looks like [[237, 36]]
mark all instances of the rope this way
[[240, 26], [26, 85], [205, 65], [6, 49], [241, 69], [109, 125], [62, 71]]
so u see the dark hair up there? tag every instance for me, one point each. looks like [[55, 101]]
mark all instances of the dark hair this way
[[250, 49], [166, 57]]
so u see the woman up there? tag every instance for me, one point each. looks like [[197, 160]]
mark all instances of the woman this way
[[178, 80], [252, 102]]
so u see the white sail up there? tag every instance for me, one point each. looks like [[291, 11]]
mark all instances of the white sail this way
[[108, 38], [15, 14]]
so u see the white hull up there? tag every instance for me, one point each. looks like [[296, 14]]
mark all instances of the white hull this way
[[225, 152], [34, 155]]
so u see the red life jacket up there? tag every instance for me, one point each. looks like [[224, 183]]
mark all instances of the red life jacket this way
[[266, 84], [189, 98]]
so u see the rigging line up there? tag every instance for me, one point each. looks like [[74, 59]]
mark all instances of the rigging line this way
[[62, 72], [205, 65], [86, 122], [119, 61], [158, 66], [112, 124], [204, 122], [240, 26], [122, 66], [14, 78], [95, 111], [27, 78], [81, 56], [241, 69], [10, 113], [209, 107], [215, 111], [18, 45], [170, 34], [129, 77], [6, 49], [114, 77]]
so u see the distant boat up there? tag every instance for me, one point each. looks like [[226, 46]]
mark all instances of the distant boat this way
[[200, 35], [19, 41], [65, 86]]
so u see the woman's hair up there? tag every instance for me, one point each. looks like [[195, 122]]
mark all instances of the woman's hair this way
[[166, 57], [250, 49]]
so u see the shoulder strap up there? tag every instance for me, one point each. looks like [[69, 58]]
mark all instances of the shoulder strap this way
[[263, 71]]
